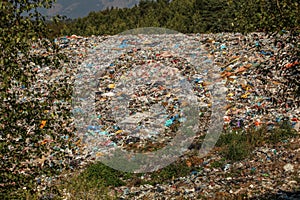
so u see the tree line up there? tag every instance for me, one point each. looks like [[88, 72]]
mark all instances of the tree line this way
[[187, 16]]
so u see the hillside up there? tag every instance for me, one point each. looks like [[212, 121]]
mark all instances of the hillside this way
[[80, 8]]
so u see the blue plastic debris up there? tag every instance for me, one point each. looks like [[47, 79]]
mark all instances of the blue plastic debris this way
[[174, 117], [124, 44], [278, 119], [266, 53], [116, 127], [103, 133], [198, 80], [90, 65], [223, 46], [77, 110], [194, 173], [94, 127], [169, 122]]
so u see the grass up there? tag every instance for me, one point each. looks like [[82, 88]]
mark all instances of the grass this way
[[84, 187], [95, 182], [235, 146], [218, 163], [174, 170], [238, 145], [98, 180]]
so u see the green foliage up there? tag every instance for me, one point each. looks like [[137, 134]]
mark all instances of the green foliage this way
[[104, 176], [95, 182], [238, 145], [28, 116], [270, 16], [101, 174], [187, 16], [82, 188], [190, 16], [218, 163], [174, 170]]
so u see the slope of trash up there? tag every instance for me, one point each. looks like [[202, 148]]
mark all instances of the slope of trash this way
[[261, 90]]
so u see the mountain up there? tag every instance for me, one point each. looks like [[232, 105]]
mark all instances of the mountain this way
[[81, 8]]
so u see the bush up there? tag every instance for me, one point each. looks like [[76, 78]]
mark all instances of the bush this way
[[34, 124]]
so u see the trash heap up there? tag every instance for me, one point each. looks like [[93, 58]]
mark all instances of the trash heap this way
[[257, 74], [258, 85], [259, 92], [140, 87], [269, 174]]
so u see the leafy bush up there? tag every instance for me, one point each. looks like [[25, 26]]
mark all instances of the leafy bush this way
[[34, 115]]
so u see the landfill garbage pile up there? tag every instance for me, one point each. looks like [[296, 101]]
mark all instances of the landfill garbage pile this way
[[151, 80], [141, 98], [259, 92], [270, 174], [259, 88]]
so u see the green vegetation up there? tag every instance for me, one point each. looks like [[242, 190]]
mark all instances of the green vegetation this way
[[94, 182], [97, 181], [98, 178], [174, 170], [218, 163], [189, 16], [238, 145], [105, 175], [26, 125], [258, 15]]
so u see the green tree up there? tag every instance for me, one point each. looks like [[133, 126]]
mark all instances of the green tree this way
[[281, 20], [269, 16], [24, 121], [181, 15], [191, 16]]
